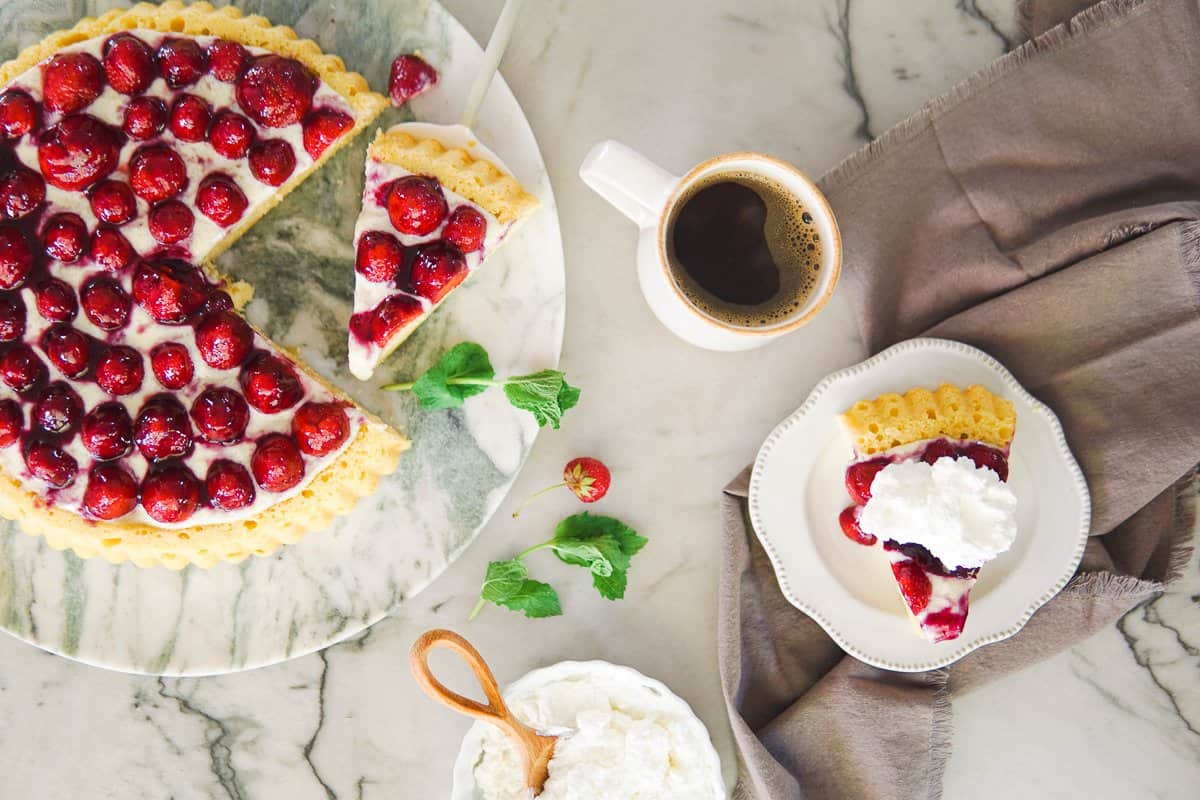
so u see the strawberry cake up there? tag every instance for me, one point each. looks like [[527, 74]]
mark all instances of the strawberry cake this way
[[929, 485], [141, 417], [436, 204]]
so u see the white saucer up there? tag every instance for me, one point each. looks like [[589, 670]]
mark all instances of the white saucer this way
[[797, 491]]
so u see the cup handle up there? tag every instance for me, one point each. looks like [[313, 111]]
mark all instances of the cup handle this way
[[636, 187]]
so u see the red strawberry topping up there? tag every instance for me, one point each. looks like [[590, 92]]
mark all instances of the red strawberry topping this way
[[277, 464], [171, 222], [170, 291], [229, 485], [224, 340], [861, 475], [382, 322], [938, 448], [220, 199], [21, 369], [189, 118], [947, 624], [12, 317], [416, 205], [161, 429], [12, 418], [217, 301], [65, 237], [107, 431], [19, 114], [172, 365], [113, 202], [409, 76], [58, 408], [988, 458], [848, 520], [914, 584], [157, 173], [226, 60], [145, 118], [67, 349], [320, 428], [111, 493], [436, 269], [170, 494], [221, 415], [128, 64], [16, 257], [380, 257], [71, 81], [49, 462], [119, 370], [77, 152], [231, 134], [105, 303], [56, 300], [110, 249], [466, 229], [21, 191], [322, 127], [276, 91], [182, 62], [272, 161], [269, 383]]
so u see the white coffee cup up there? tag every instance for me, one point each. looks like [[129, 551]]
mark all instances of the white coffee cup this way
[[648, 194]]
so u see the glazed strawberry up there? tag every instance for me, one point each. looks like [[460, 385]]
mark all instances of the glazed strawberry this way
[[224, 340], [938, 448], [988, 458], [12, 316], [21, 369], [848, 520], [320, 428], [436, 269], [49, 462], [231, 134], [276, 91], [145, 118], [67, 349], [217, 301], [16, 257], [111, 493], [171, 222], [189, 118], [220, 199], [56, 300], [128, 64], [105, 303], [172, 365], [410, 75], [21, 191], [58, 408], [914, 584], [272, 161], [170, 291], [277, 464], [221, 415], [113, 202], [110, 249], [119, 370], [71, 81], [269, 383], [465, 229], [226, 60], [19, 114], [12, 419], [170, 494], [587, 478], [65, 237], [107, 431], [162, 429], [229, 485], [157, 173], [860, 476], [381, 323], [416, 205], [322, 127], [77, 152], [181, 62], [379, 257]]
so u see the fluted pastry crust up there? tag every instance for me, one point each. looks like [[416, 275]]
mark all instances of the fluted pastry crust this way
[[893, 420]]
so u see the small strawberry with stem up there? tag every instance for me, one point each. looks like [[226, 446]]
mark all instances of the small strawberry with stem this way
[[587, 477]]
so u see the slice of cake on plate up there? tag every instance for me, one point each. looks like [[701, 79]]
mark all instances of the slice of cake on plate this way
[[141, 417], [436, 204], [929, 484]]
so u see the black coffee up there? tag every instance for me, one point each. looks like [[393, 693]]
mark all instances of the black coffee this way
[[743, 249]]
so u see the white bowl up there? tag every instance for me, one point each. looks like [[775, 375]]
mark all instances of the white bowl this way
[[464, 766]]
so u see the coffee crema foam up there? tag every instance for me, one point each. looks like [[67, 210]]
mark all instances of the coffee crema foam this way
[[791, 238]]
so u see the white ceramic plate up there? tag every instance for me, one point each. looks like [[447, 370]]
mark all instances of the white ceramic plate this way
[[797, 491], [464, 787]]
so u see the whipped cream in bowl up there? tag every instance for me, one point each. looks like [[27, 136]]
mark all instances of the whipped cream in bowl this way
[[623, 736]]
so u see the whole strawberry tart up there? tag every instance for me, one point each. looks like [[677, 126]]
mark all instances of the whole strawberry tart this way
[[141, 417]]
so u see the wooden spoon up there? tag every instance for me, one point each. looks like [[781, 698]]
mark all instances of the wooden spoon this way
[[536, 750]]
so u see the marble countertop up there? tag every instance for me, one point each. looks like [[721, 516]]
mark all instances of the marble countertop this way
[[1117, 717]]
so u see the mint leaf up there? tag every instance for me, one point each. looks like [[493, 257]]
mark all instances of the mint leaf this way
[[545, 394], [441, 386], [616, 542], [507, 584], [586, 555]]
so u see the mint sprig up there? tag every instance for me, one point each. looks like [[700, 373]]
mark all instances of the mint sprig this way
[[465, 371], [605, 546]]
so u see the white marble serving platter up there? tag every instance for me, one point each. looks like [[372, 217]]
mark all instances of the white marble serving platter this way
[[299, 258]]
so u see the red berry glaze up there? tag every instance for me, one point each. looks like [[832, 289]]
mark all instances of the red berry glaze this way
[[65, 237], [320, 428], [157, 173], [217, 301], [226, 60], [110, 249], [171, 222], [221, 415], [119, 370], [272, 161], [172, 365], [322, 127], [436, 269], [277, 464], [988, 458], [378, 325], [170, 494], [276, 91], [270, 383], [12, 420], [16, 257], [67, 349], [466, 229], [12, 316], [145, 118], [229, 485], [848, 520], [128, 64], [162, 429], [409, 76], [231, 134], [224, 340], [56, 300], [71, 81], [181, 62], [189, 119], [861, 475], [19, 114], [111, 493], [938, 448], [107, 431], [379, 257], [220, 199], [77, 152], [58, 408], [49, 462], [914, 584], [21, 191], [21, 369], [105, 303], [113, 202], [170, 291], [416, 205]]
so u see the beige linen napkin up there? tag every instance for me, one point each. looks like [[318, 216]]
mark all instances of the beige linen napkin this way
[[1048, 212]]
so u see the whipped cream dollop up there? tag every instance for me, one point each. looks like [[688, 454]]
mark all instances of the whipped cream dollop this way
[[620, 739], [963, 514]]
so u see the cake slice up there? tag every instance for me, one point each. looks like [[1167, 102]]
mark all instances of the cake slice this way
[[928, 481], [435, 205]]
